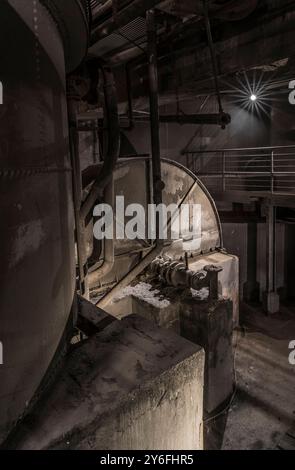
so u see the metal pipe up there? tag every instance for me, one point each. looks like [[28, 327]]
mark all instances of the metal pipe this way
[[221, 119], [106, 175], [123, 17], [158, 185], [113, 152], [177, 274], [154, 106], [77, 189], [130, 102], [124, 56], [215, 119], [109, 248], [101, 10], [213, 54]]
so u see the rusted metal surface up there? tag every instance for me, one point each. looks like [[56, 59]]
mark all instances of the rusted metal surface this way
[[37, 232], [181, 187], [73, 103], [73, 22], [113, 151], [177, 274], [157, 183], [228, 278]]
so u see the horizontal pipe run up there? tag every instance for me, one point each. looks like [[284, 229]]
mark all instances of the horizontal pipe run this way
[[218, 118], [214, 119]]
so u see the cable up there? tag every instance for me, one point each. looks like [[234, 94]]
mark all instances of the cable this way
[[233, 396], [213, 54]]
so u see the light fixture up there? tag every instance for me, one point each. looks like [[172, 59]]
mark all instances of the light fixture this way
[[255, 93]]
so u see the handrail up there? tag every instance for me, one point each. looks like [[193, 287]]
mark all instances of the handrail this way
[[238, 149], [252, 169]]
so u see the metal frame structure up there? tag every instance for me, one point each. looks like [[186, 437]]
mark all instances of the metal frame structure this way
[[262, 170]]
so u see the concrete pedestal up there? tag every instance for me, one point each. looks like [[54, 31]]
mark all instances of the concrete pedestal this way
[[210, 326], [271, 302], [131, 386], [205, 323]]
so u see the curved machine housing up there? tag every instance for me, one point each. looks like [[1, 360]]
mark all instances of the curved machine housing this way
[[204, 249], [132, 179]]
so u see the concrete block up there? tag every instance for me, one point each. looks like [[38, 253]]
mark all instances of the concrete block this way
[[167, 317], [158, 306], [131, 386], [205, 323], [210, 326], [271, 302]]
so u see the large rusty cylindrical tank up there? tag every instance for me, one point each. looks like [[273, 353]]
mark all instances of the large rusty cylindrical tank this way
[[38, 40]]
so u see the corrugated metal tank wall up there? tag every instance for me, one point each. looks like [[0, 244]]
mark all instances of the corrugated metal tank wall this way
[[37, 276]]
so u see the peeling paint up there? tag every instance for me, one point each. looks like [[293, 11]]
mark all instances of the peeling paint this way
[[28, 240]]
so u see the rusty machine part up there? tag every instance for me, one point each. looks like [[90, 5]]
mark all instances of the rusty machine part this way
[[37, 234], [181, 187], [177, 274]]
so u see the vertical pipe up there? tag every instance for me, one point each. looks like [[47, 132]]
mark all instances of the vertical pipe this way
[[212, 53], [223, 172], [158, 185], [272, 172], [129, 93], [95, 277], [113, 141], [154, 106], [77, 191]]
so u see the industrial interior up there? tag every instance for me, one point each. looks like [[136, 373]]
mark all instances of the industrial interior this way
[[147, 342]]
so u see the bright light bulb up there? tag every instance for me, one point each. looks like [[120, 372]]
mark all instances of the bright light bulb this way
[[253, 97]]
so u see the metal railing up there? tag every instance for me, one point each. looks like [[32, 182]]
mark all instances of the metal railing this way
[[268, 170]]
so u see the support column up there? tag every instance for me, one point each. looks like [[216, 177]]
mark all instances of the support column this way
[[271, 300], [251, 286], [289, 260]]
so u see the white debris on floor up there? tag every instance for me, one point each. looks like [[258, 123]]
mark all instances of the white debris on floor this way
[[145, 292]]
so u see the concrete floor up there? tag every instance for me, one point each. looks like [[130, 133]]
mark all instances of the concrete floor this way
[[264, 405]]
